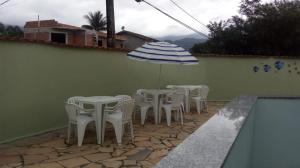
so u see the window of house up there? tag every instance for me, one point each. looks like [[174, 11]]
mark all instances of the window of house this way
[[58, 38]]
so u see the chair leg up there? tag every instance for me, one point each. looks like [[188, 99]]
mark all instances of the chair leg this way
[[198, 104], [143, 115], [183, 109], [181, 116], [69, 132], [168, 115], [190, 105], [118, 126], [177, 115], [159, 116], [123, 129], [205, 106], [80, 132], [134, 113], [131, 130]]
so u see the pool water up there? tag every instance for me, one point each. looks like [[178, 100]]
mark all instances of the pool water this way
[[269, 138]]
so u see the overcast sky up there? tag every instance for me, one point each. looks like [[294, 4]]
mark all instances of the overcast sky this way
[[137, 17]]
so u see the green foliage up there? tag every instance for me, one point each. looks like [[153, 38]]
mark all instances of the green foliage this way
[[262, 29], [96, 21], [2, 28], [9, 30]]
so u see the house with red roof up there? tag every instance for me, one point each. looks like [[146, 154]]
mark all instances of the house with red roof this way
[[54, 32], [134, 40]]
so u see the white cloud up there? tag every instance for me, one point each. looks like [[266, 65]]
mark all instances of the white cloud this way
[[137, 17]]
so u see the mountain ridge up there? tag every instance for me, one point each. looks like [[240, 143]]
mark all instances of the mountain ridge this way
[[184, 41]]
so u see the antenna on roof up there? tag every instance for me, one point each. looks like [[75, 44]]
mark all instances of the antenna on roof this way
[[39, 23], [37, 32]]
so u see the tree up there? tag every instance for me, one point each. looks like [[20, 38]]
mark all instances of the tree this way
[[262, 29], [2, 28], [14, 31], [9, 30], [96, 21]]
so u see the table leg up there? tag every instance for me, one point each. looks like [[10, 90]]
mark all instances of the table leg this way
[[155, 108], [99, 122], [103, 123]]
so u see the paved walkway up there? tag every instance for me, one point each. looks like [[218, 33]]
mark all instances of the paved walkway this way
[[151, 144]]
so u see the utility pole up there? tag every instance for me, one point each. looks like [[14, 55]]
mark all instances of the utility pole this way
[[39, 25], [110, 16]]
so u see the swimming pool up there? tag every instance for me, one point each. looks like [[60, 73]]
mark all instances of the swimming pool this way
[[269, 137], [249, 132]]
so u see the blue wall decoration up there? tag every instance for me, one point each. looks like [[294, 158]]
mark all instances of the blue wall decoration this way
[[267, 68], [255, 68], [279, 65]]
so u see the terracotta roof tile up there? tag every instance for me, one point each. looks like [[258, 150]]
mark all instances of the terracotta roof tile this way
[[49, 23], [43, 23]]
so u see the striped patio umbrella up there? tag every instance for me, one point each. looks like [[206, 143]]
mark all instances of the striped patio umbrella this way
[[162, 53]]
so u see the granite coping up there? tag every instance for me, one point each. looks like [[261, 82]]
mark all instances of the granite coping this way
[[208, 146]]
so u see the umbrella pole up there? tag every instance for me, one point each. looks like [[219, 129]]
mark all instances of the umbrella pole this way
[[159, 76]]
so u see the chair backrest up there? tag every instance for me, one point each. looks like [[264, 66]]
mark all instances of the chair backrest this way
[[204, 91], [74, 100], [123, 97], [180, 91], [127, 107], [139, 99], [140, 91], [170, 86], [71, 110], [195, 92], [176, 99]]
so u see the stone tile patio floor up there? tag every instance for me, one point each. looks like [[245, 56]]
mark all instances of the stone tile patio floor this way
[[151, 144]]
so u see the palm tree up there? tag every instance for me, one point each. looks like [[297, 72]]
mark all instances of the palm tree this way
[[96, 21]]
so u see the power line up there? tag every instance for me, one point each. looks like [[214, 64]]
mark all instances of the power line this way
[[4, 2], [13, 4], [188, 13], [180, 22]]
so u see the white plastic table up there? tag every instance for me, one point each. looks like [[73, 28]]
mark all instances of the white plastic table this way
[[156, 93], [187, 89], [99, 102]]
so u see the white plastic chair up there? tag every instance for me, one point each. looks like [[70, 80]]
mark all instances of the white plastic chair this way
[[181, 91], [121, 115], [113, 106], [80, 120], [199, 96], [143, 105], [74, 100], [173, 104], [148, 97]]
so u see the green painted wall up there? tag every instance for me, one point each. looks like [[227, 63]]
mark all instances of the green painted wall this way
[[37, 79]]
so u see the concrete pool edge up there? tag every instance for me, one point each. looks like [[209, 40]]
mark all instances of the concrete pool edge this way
[[209, 145]]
